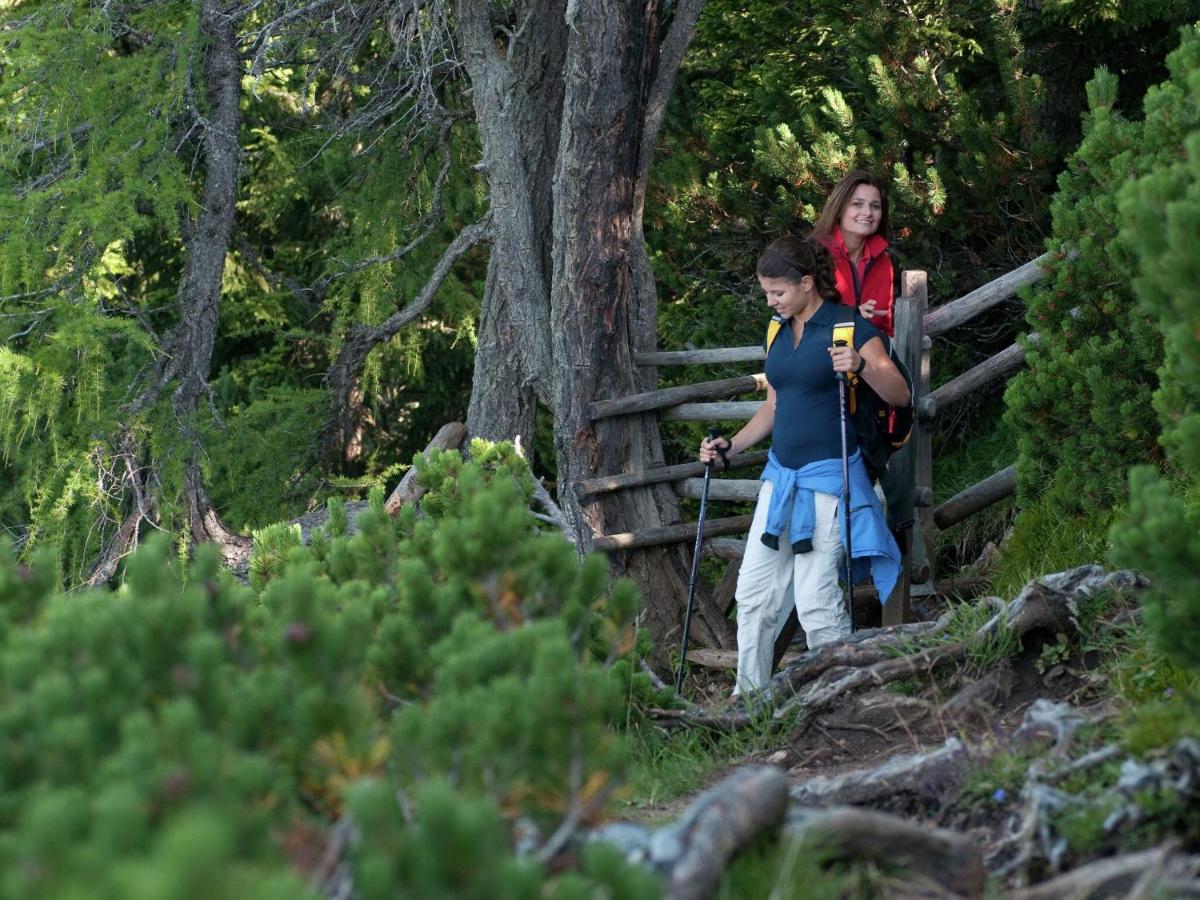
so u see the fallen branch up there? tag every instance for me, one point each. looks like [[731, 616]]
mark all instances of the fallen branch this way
[[449, 437], [1047, 603]]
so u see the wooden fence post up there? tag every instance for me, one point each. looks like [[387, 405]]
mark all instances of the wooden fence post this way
[[916, 284], [904, 475]]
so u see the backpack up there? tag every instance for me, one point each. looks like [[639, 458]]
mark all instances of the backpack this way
[[882, 428]]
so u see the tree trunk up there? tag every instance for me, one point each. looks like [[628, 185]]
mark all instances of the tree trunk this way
[[569, 102], [517, 89], [186, 350], [603, 301], [207, 241]]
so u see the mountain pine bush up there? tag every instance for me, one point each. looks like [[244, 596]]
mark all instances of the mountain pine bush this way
[[1083, 406], [1160, 217], [449, 679]]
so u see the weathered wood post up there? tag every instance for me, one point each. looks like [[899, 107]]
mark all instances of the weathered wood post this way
[[905, 476]]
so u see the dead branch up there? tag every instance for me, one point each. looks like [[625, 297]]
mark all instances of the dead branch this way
[[834, 671], [554, 514], [449, 437], [345, 373], [719, 824]]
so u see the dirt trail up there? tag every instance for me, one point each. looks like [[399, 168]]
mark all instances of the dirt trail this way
[[917, 729]]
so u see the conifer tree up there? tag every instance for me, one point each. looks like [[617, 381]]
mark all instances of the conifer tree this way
[[139, 266], [1084, 408], [1160, 222]]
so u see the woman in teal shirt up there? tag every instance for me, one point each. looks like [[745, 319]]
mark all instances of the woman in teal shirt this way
[[795, 545]]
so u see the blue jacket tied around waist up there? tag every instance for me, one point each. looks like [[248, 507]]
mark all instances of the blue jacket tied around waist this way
[[792, 490]]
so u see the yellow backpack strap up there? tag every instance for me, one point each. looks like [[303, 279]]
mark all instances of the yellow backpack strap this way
[[773, 329]]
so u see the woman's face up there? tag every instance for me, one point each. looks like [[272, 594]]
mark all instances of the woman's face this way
[[862, 213], [787, 297]]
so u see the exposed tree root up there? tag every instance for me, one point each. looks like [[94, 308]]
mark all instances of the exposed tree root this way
[[927, 775], [1161, 872], [692, 853], [825, 676], [943, 856]]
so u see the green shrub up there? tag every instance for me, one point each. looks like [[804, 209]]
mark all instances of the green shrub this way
[[1161, 218], [438, 677]]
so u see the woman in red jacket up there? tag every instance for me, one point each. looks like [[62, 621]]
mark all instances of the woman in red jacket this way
[[854, 226]]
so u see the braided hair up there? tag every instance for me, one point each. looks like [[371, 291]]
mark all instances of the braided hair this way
[[791, 258]]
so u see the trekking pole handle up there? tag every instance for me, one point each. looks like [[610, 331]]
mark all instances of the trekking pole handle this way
[[841, 342], [713, 434], [843, 333]]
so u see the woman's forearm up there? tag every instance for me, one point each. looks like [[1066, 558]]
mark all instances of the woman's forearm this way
[[758, 428]]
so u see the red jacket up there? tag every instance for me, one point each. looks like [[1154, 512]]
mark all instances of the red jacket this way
[[875, 279]]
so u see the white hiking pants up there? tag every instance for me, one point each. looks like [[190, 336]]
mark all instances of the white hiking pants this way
[[770, 580]]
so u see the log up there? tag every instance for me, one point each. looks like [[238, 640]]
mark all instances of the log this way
[[673, 396], [730, 411], [978, 496], [449, 437], [867, 658], [863, 648], [950, 859], [726, 548], [670, 534], [699, 357], [1007, 360], [720, 489], [605, 483], [951, 315]]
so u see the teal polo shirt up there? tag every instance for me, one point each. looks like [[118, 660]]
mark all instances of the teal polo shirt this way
[[807, 421]]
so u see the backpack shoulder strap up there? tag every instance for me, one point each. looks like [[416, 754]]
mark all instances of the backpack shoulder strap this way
[[773, 329], [843, 313]]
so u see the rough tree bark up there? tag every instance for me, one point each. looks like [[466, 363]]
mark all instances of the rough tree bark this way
[[187, 349], [569, 98], [208, 239], [517, 92]]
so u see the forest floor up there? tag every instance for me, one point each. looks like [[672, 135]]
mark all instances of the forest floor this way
[[1014, 747]]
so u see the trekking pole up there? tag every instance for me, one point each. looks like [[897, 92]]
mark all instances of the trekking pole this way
[[843, 381], [687, 616]]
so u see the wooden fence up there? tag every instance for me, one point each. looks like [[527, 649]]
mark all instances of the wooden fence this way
[[916, 326]]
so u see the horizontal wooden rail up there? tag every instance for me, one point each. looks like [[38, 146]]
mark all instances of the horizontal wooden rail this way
[[699, 357], [734, 410], [951, 315], [976, 497], [725, 548], [671, 534], [720, 488], [1007, 360], [606, 483], [673, 396]]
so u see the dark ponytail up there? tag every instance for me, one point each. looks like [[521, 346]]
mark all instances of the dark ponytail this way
[[791, 258]]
